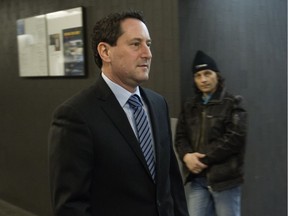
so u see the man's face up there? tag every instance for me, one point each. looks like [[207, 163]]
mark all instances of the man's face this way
[[130, 59], [206, 81]]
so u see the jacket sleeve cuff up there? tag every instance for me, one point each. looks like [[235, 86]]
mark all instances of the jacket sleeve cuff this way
[[205, 160]]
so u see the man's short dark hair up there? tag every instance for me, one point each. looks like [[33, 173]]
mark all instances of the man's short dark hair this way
[[108, 30]]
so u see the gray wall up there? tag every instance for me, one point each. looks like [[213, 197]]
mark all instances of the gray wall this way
[[247, 38], [248, 41]]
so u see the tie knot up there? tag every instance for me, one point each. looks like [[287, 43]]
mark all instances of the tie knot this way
[[134, 101]]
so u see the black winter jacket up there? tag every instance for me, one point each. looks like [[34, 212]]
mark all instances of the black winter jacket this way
[[217, 129]]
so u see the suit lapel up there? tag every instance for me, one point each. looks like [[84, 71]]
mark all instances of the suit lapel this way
[[157, 120], [117, 115], [152, 105]]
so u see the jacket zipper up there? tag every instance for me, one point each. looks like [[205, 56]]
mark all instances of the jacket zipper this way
[[200, 139], [202, 133], [203, 123]]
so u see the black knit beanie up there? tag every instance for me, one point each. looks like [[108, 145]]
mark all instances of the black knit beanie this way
[[203, 62]]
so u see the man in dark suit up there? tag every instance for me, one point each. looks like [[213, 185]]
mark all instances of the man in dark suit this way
[[98, 162]]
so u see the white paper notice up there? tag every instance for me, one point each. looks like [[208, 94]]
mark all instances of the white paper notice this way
[[32, 46]]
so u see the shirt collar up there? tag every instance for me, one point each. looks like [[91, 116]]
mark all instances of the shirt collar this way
[[206, 98], [121, 94]]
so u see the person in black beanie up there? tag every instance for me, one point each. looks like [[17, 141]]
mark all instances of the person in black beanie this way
[[210, 140]]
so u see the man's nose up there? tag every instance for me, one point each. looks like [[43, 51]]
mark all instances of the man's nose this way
[[146, 52], [203, 78]]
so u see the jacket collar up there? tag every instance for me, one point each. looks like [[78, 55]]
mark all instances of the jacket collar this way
[[217, 97]]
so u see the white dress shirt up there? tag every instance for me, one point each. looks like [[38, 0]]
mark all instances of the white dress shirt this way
[[122, 96]]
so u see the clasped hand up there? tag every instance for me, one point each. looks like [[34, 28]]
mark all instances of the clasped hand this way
[[193, 163]]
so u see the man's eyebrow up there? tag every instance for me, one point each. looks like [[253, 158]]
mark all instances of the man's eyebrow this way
[[141, 39]]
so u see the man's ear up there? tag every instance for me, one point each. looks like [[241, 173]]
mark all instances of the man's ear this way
[[103, 50]]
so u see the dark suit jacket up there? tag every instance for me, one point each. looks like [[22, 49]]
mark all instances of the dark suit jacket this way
[[96, 164]]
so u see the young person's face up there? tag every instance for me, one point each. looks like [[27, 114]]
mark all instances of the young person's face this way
[[130, 59], [206, 81]]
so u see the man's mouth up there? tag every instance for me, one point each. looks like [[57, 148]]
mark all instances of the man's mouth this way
[[144, 66], [205, 86]]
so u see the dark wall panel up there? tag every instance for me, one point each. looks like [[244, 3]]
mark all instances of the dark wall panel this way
[[26, 104], [248, 41]]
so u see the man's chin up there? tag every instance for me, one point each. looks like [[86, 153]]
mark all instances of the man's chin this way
[[144, 79], [205, 91], [145, 76]]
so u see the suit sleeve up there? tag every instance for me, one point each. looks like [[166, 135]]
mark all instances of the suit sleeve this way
[[70, 163]]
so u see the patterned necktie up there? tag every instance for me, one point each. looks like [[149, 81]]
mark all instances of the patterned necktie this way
[[143, 131]]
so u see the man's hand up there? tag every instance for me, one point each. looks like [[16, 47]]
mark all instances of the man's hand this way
[[193, 163]]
